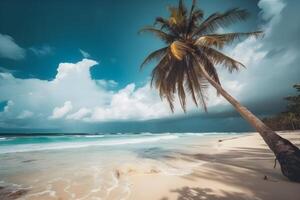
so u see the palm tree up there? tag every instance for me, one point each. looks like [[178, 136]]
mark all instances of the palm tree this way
[[188, 63]]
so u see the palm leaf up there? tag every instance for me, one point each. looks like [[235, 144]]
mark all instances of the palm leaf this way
[[181, 8], [159, 33], [162, 22], [189, 82], [221, 20], [197, 84], [181, 76], [208, 66], [180, 49], [217, 58], [166, 25], [155, 55], [219, 40], [193, 7], [159, 71], [195, 14]]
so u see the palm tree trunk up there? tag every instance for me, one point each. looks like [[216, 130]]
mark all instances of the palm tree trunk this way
[[287, 154]]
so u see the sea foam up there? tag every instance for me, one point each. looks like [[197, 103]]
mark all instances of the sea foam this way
[[81, 144]]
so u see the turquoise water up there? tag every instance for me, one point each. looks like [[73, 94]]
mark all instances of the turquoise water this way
[[13, 144]]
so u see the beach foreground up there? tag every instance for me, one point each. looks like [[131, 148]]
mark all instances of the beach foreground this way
[[162, 167]]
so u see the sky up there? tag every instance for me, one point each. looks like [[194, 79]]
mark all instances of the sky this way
[[73, 66]]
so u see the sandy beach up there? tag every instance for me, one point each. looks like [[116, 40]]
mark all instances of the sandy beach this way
[[216, 167], [241, 168]]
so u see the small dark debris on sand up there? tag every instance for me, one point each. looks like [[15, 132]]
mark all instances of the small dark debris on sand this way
[[118, 174], [28, 161], [266, 178], [9, 193], [232, 138]]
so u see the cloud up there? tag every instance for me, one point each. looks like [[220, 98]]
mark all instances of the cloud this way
[[84, 53], [270, 8], [74, 95], [273, 61], [80, 114], [42, 51], [60, 112], [25, 114], [131, 103], [9, 49], [5, 70], [8, 106], [107, 83]]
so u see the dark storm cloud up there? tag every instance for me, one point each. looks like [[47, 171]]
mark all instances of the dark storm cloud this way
[[279, 69]]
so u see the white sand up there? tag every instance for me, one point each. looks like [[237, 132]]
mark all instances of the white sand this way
[[235, 170]]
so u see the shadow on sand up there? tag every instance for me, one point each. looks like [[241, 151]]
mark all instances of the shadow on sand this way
[[188, 193], [11, 193]]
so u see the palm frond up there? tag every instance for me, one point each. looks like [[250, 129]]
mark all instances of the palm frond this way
[[181, 8], [197, 84], [180, 49], [164, 24], [189, 82], [193, 6], [166, 37], [178, 17], [194, 18], [155, 55], [180, 85], [208, 66], [221, 20], [219, 40], [195, 14], [158, 72], [202, 98], [219, 58]]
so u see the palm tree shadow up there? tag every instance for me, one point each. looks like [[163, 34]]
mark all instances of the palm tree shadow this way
[[196, 193], [156, 153]]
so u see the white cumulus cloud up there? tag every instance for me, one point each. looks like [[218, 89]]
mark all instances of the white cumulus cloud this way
[[10, 49], [60, 112], [74, 95], [80, 114]]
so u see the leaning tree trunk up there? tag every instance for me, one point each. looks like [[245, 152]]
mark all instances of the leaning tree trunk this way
[[287, 154]]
